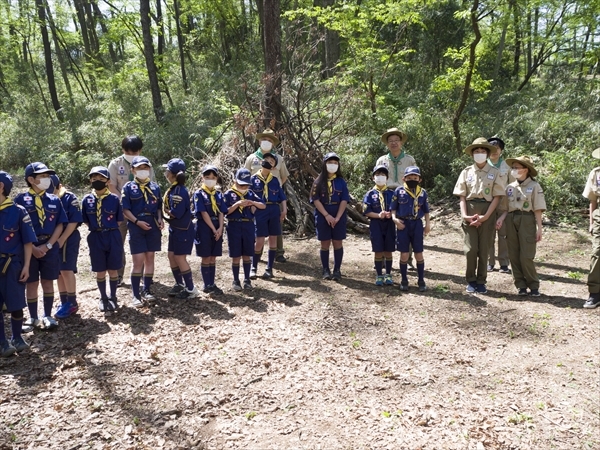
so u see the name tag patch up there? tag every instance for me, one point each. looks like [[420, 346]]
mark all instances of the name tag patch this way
[[491, 176], [509, 191]]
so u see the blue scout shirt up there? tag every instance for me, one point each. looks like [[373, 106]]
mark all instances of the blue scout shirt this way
[[53, 210], [179, 207], [141, 202], [275, 193], [72, 207], [16, 230], [202, 203], [339, 193], [112, 213], [404, 204], [231, 197], [372, 201]]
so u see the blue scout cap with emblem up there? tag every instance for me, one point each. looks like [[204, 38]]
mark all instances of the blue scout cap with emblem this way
[[99, 170], [7, 180], [243, 176], [496, 141], [36, 168], [210, 168], [381, 168], [175, 166], [140, 160], [331, 155], [412, 170]]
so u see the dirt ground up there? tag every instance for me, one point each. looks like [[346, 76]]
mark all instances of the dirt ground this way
[[303, 363]]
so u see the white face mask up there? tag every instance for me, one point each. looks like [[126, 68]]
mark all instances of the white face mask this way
[[517, 173], [266, 145], [129, 158], [142, 174], [210, 183], [480, 158], [380, 180], [332, 168], [44, 184]]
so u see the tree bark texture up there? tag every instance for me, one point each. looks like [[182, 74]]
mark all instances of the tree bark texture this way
[[272, 50], [41, 9], [149, 56]]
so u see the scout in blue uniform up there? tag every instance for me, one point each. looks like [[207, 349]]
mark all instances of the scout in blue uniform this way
[[330, 196], [142, 207], [68, 243], [16, 245], [209, 210], [102, 212], [240, 225], [409, 206], [268, 220], [377, 207], [177, 212], [48, 218]]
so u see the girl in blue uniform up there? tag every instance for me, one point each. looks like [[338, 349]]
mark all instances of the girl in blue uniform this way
[[240, 201], [377, 206], [102, 212], [209, 209], [68, 243], [177, 212], [142, 207], [268, 220], [330, 196], [16, 245]]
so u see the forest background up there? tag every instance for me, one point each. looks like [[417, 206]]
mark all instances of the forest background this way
[[198, 78]]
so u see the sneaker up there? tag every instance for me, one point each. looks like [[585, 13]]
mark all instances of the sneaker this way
[[268, 274], [147, 296], [534, 292], [422, 287], [120, 282], [490, 268], [504, 269], [522, 291], [481, 289], [237, 286], [111, 305], [281, 259], [48, 323], [337, 275], [30, 324], [6, 349], [326, 274], [103, 304], [194, 293], [137, 302], [65, 310], [404, 287], [216, 290], [253, 273], [592, 302], [471, 288], [388, 280], [379, 280], [176, 290], [247, 285], [19, 344], [208, 289]]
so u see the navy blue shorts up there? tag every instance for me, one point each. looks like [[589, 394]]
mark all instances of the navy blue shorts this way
[[411, 235], [267, 221], [181, 242], [12, 293], [69, 252], [324, 230], [206, 245], [383, 235], [106, 250], [240, 237], [46, 268], [142, 241]]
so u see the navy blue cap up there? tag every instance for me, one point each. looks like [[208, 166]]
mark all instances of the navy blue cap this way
[[7, 180], [36, 168], [412, 170], [243, 176], [331, 155], [139, 160], [382, 168], [175, 166], [497, 142], [55, 180], [99, 170], [210, 168]]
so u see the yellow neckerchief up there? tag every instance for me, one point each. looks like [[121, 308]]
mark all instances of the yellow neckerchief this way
[[99, 199], [266, 182], [39, 205], [380, 191], [165, 205], [241, 208], [145, 189], [330, 185], [416, 198], [213, 198], [6, 203]]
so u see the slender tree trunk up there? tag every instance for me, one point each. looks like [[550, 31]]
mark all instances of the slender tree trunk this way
[[584, 51], [272, 51], [180, 45], [500, 54], [149, 56], [517, 26], [102, 21], [161, 30], [61, 58], [529, 39], [331, 46], [48, 57], [37, 81]]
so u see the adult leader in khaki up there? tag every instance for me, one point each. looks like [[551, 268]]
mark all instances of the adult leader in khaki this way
[[396, 159]]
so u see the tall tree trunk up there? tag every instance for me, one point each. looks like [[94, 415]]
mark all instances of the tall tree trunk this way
[[330, 54], [501, 46], [584, 51], [48, 57], [180, 45], [61, 57], [529, 40], [149, 56], [161, 31], [272, 49], [102, 21], [517, 26]]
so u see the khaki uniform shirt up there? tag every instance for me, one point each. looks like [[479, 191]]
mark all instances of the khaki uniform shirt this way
[[253, 164], [592, 187], [120, 172], [507, 178], [393, 181], [475, 183], [525, 196]]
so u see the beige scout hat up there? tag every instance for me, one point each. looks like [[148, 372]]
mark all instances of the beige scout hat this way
[[397, 132], [477, 143], [596, 153], [524, 160], [268, 133]]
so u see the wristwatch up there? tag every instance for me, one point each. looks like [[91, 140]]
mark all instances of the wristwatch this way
[[49, 246]]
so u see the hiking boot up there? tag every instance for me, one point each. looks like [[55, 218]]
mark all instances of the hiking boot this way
[[593, 301], [185, 294], [216, 290], [237, 286], [268, 274], [208, 289], [471, 288], [504, 269], [48, 323], [253, 273], [6, 349], [522, 291], [379, 280], [65, 310], [534, 292], [326, 274], [136, 302], [281, 259], [176, 290], [481, 289], [247, 285], [19, 344], [337, 275], [388, 280]]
